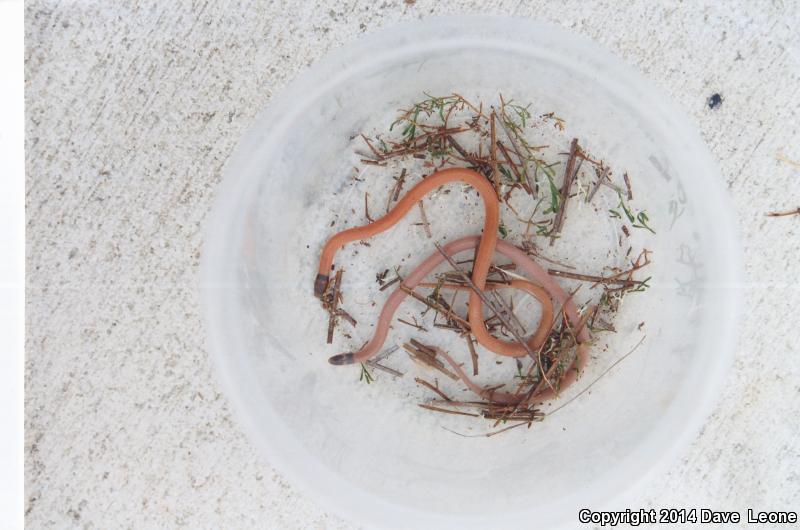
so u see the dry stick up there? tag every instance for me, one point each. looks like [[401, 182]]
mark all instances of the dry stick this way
[[467, 157], [448, 326], [524, 180], [581, 322], [423, 347], [473, 354], [446, 411], [486, 301], [490, 407], [457, 146], [591, 278], [493, 155], [337, 282], [781, 214], [569, 177], [366, 207], [524, 415], [375, 152], [603, 176], [474, 404], [395, 193], [628, 185], [532, 252], [407, 323], [344, 314], [504, 429], [425, 223], [385, 353], [378, 366], [448, 306], [399, 186], [533, 186], [458, 285], [428, 358], [595, 163], [432, 387], [437, 307], [576, 396], [489, 434], [535, 389], [390, 283], [630, 271], [508, 311], [464, 101]]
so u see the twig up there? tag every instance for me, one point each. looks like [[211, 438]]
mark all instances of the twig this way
[[466, 156], [344, 314], [407, 323], [366, 208], [781, 214], [390, 283], [457, 412], [509, 311], [534, 186], [437, 307], [432, 387], [428, 357], [374, 364], [398, 186], [629, 272], [504, 429], [375, 152], [337, 282], [513, 165], [488, 434], [473, 354], [493, 155], [466, 102], [628, 185], [603, 176], [425, 223], [591, 278], [486, 301], [458, 285], [385, 353], [569, 176]]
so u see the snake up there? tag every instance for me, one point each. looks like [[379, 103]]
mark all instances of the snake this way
[[545, 290]]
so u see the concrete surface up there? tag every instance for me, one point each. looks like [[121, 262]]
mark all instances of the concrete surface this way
[[133, 109]]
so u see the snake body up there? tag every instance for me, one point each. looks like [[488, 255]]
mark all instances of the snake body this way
[[545, 290]]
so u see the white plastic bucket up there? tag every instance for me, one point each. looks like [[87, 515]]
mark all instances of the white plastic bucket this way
[[366, 452]]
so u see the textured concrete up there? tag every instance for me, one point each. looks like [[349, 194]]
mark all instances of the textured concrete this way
[[133, 109]]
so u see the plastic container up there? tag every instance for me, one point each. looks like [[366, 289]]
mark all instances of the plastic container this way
[[366, 452]]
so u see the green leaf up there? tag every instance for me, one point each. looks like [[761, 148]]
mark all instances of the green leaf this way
[[365, 375], [555, 195], [503, 230], [506, 173], [627, 211]]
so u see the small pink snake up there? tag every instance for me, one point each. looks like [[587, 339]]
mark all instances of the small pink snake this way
[[486, 246]]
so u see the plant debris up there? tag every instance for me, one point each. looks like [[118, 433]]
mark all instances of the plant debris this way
[[796, 211], [494, 140]]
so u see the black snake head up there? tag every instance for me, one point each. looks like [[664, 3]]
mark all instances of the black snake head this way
[[342, 358]]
